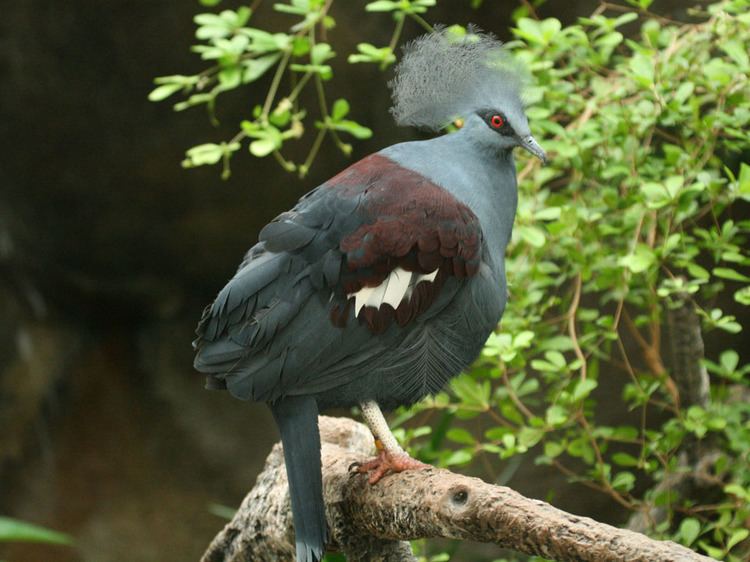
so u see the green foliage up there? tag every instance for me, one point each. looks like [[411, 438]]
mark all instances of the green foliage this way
[[240, 55], [639, 207], [13, 530]]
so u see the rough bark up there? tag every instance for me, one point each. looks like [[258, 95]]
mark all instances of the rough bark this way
[[686, 340], [695, 477], [371, 522]]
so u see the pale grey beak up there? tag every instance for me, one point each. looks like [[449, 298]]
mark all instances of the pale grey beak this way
[[530, 144]]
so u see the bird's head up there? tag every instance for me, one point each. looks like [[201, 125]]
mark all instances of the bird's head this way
[[444, 76]]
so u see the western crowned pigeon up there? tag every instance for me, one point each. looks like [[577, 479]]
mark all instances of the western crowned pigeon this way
[[385, 281]]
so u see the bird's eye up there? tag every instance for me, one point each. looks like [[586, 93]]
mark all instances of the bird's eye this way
[[497, 121]]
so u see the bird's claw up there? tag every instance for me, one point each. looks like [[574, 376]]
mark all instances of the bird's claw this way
[[386, 462]]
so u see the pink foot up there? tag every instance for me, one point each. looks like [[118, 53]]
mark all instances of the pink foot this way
[[387, 462]]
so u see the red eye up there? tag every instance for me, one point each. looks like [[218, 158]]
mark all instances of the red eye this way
[[497, 121]]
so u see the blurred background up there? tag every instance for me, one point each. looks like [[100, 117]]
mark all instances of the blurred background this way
[[109, 251]]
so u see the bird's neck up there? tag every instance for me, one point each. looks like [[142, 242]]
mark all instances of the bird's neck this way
[[481, 177]]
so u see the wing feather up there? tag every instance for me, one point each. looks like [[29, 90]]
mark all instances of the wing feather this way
[[337, 281]]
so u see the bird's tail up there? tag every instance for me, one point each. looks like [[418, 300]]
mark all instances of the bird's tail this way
[[297, 418]]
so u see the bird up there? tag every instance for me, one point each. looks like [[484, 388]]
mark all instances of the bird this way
[[385, 281]]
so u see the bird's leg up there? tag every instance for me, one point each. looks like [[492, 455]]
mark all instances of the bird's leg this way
[[391, 457]]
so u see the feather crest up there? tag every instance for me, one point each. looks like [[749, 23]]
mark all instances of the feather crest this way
[[445, 75]]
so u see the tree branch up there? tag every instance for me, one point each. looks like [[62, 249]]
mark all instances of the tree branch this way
[[372, 522], [686, 338], [694, 477]]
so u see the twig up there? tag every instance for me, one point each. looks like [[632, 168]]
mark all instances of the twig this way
[[275, 84], [396, 33], [514, 397], [662, 19], [572, 326], [421, 21], [530, 7]]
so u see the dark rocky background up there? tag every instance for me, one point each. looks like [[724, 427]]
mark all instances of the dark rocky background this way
[[108, 253]]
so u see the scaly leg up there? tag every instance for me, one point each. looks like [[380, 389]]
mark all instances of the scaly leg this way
[[391, 457]]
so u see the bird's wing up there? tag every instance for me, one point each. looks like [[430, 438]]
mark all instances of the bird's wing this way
[[360, 259]]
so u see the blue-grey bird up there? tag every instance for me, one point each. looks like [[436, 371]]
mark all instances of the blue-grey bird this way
[[385, 281]]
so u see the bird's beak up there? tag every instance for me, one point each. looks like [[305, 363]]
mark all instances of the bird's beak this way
[[530, 144]]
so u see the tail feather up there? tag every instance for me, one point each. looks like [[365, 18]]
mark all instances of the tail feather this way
[[297, 418]]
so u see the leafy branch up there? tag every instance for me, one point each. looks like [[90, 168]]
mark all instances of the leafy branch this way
[[241, 55], [635, 211]]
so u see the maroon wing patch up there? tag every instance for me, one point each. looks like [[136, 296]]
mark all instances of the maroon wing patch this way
[[408, 223]]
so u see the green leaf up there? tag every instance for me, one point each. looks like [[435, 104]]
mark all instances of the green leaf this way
[[323, 70], [263, 147], [581, 448], [719, 71], [737, 50], [471, 392], [544, 366], [13, 530], [697, 271], [690, 529], [257, 67], [532, 235], [640, 260], [737, 490], [320, 53], [263, 42], [737, 537], [496, 433], [369, 53], [731, 274], [353, 128], [530, 30], [556, 358], [548, 214], [656, 195], [460, 436], [729, 360], [292, 9], [553, 449], [624, 481], [743, 181], [624, 459], [684, 92], [642, 67], [625, 432], [712, 551], [382, 6], [556, 415], [340, 109], [583, 388], [530, 436], [550, 27], [202, 154], [540, 32], [230, 78], [523, 339], [743, 296], [458, 457], [164, 91]]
